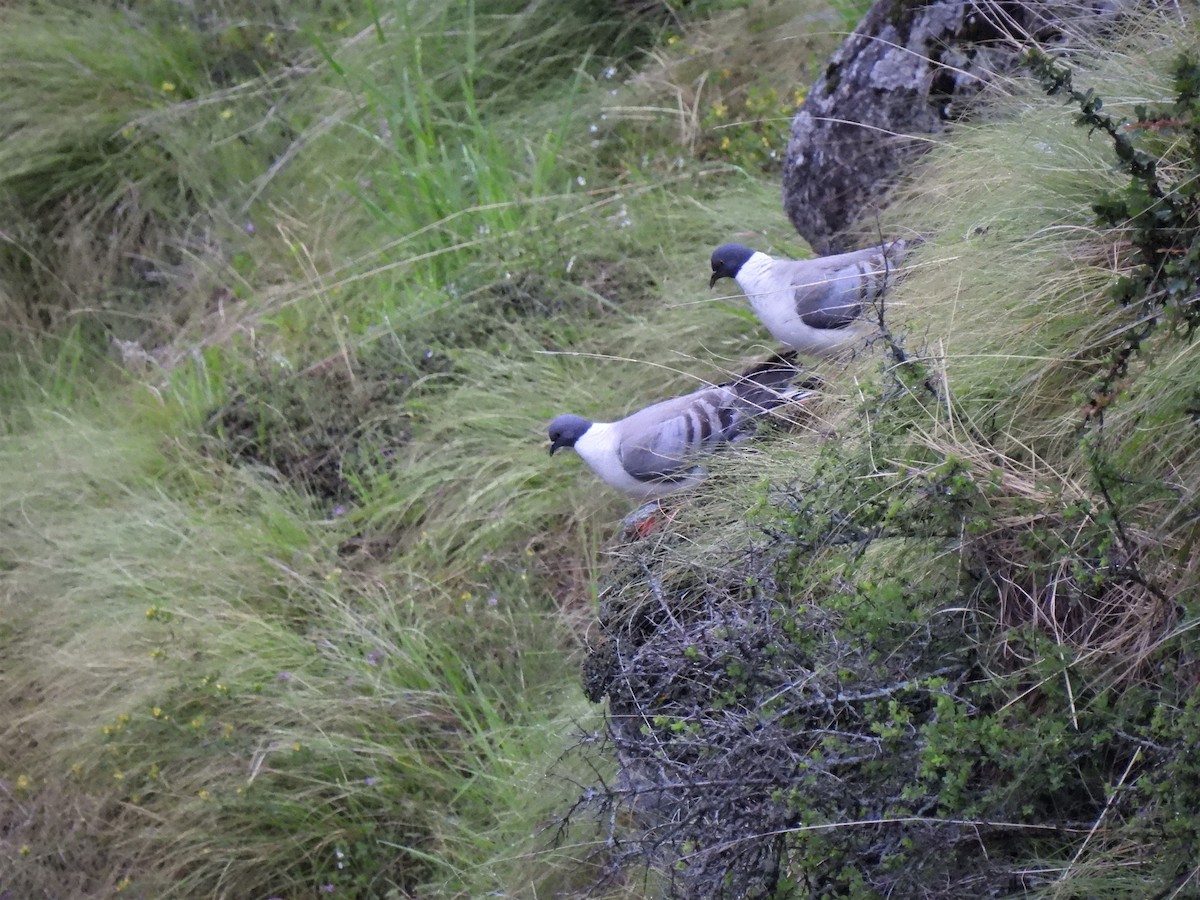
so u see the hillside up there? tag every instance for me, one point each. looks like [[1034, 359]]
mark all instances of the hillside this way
[[295, 603]]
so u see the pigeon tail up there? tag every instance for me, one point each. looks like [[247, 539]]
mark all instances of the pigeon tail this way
[[769, 384], [895, 251]]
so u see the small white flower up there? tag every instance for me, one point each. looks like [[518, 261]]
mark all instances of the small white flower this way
[[581, 181]]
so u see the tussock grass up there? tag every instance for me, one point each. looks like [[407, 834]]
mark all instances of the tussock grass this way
[[120, 157], [205, 664], [726, 88], [214, 682], [1036, 260]]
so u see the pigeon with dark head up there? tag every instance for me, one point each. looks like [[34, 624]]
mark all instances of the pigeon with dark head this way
[[811, 305], [654, 451]]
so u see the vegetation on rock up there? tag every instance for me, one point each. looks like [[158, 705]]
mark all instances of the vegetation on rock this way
[[951, 655]]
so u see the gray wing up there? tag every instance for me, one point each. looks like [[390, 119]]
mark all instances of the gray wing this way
[[836, 288], [662, 442]]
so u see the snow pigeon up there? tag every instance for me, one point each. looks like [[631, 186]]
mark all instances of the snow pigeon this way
[[810, 304], [653, 452]]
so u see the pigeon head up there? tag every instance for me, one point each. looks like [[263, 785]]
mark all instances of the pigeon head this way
[[727, 261], [566, 430]]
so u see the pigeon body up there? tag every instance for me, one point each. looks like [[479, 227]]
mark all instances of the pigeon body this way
[[812, 305], [653, 452]]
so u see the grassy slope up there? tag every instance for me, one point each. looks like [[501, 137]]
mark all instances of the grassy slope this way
[[216, 682], [213, 683]]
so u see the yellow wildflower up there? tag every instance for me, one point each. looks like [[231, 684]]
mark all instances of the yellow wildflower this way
[[118, 775], [719, 110], [203, 794], [22, 782], [297, 747], [153, 773], [156, 712], [227, 114], [24, 851], [725, 142], [168, 86]]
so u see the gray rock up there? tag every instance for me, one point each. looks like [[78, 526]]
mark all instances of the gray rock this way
[[910, 69]]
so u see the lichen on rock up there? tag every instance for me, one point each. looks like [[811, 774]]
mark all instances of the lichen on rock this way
[[909, 70]]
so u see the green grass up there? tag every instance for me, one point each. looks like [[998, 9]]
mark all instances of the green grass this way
[[292, 595], [216, 670], [236, 241]]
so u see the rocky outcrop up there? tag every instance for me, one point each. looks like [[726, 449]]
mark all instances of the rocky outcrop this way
[[911, 68]]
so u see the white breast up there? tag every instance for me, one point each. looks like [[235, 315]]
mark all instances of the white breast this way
[[598, 448], [773, 300]]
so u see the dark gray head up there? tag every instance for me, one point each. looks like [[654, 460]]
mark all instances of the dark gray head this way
[[566, 430], [727, 261]]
